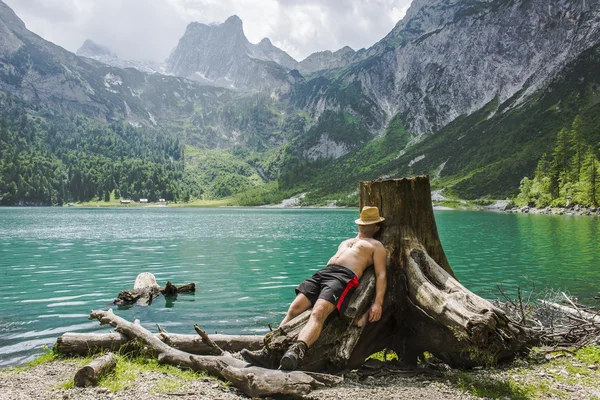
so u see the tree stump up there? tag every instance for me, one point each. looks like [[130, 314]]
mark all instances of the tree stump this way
[[425, 307]]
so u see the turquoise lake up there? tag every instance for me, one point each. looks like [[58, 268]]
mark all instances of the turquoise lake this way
[[56, 264]]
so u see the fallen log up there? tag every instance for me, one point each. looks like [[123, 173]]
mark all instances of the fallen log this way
[[83, 344], [91, 373], [253, 381]]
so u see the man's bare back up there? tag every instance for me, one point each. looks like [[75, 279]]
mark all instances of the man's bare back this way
[[357, 254]]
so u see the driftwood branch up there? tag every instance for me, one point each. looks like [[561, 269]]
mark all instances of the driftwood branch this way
[[214, 348], [253, 381]]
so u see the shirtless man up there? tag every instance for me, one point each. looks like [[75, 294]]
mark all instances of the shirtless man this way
[[331, 288]]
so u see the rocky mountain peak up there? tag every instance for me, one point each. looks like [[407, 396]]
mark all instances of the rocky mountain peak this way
[[221, 55], [8, 17], [326, 60], [234, 22], [344, 51], [91, 49], [265, 42]]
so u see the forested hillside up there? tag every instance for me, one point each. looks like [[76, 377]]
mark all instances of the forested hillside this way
[[569, 175], [51, 159]]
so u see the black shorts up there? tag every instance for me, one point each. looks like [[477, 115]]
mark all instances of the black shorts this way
[[335, 283]]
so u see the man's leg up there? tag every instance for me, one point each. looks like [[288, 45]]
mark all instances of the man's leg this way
[[312, 330], [300, 304], [308, 335], [263, 358]]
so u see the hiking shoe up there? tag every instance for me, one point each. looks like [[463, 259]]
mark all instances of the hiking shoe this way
[[260, 358], [292, 358]]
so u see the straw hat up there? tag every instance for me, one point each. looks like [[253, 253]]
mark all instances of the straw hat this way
[[369, 215]]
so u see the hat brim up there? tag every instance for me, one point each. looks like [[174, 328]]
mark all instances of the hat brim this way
[[361, 222]]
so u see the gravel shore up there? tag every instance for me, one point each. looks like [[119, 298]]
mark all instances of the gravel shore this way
[[47, 381], [563, 377]]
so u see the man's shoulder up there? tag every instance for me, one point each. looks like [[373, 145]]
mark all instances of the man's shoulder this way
[[374, 242]]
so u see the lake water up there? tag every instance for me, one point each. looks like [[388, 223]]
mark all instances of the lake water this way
[[56, 264]]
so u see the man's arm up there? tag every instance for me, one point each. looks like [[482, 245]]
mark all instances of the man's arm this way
[[379, 260]]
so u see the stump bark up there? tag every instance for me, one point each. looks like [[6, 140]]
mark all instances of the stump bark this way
[[425, 307]]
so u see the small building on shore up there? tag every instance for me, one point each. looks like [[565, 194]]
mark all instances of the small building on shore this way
[[144, 201], [125, 201]]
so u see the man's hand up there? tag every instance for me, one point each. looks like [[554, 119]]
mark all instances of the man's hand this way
[[375, 312]]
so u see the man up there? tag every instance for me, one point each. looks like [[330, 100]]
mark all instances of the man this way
[[331, 288]]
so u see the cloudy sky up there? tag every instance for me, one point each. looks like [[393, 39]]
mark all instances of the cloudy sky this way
[[149, 29]]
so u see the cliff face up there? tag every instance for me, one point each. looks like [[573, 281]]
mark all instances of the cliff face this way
[[449, 58]]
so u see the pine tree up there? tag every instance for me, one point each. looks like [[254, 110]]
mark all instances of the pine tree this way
[[578, 146], [563, 151], [591, 177]]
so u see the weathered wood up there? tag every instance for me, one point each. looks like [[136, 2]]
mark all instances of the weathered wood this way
[[91, 373], [214, 348], [145, 290], [171, 290], [83, 344], [256, 383], [573, 312]]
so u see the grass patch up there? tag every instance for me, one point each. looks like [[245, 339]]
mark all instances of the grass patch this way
[[48, 356], [66, 385], [493, 388], [589, 355], [129, 369], [228, 201]]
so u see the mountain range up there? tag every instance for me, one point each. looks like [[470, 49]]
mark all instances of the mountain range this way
[[470, 91]]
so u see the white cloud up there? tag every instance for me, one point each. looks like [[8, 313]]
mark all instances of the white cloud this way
[[150, 29]]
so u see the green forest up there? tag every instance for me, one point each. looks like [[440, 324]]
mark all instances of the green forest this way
[[47, 159], [568, 176]]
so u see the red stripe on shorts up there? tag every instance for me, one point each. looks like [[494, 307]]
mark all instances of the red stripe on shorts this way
[[352, 284]]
